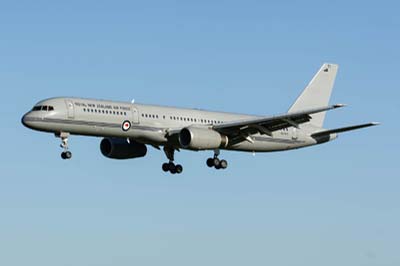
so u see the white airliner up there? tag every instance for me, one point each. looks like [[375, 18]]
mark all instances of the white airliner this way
[[128, 127]]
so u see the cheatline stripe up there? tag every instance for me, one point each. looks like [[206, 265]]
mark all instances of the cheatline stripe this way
[[88, 123]]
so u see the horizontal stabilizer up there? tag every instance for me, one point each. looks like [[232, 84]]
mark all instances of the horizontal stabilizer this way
[[343, 129]]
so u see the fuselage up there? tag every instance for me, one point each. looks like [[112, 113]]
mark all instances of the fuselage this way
[[149, 124]]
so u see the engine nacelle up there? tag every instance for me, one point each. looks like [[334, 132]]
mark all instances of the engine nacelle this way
[[116, 148], [201, 139]]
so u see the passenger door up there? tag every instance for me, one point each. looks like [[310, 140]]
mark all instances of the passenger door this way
[[70, 109], [135, 116]]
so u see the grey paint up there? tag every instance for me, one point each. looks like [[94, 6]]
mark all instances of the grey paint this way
[[152, 124]]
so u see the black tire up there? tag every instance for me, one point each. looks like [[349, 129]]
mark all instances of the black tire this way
[[172, 167], [173, 171], [210, 162], [68, 155], [216, 162], [218, 166], [165, 167], [223, 164], [63, 156], [179, 169]]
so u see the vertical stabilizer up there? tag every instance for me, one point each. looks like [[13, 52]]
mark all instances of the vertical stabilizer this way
[[317, 93]]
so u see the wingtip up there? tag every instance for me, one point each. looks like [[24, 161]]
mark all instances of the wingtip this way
[[376, 123], [340, 105]]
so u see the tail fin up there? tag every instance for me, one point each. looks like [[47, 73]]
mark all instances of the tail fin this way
[[317, 93]]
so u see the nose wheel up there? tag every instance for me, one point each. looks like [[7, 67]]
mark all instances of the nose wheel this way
[[171, 166], [216, 162], [66, 154]]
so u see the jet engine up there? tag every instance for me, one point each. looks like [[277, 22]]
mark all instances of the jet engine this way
[[116, 148], [194, 138]]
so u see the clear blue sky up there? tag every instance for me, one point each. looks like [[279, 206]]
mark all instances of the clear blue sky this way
[[335, 204]]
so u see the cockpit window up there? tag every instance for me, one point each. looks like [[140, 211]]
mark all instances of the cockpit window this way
[[46, 108]]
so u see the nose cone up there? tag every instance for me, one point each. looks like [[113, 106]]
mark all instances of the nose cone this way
[[26, 121]]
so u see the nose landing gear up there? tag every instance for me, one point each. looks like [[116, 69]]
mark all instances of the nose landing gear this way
[[66, 154], [216, 162]]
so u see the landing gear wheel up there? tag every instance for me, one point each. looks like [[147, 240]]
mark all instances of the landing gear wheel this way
[[66, 155], [216, 162], [179, 169], [223, 164], [171, 167], [210, 162], [173, 170], [165, 167]]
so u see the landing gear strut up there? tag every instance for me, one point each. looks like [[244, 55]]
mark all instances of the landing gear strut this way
[[216, 162], [66, 154], [170, 166]]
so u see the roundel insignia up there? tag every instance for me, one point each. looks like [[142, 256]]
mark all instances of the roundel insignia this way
[[126, 125]]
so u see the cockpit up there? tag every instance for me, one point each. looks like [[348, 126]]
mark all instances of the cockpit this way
[[46, 108]]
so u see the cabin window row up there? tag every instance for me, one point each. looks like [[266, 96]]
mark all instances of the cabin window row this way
[[150, 116], [195, 120], [185, 119], [107, 112]]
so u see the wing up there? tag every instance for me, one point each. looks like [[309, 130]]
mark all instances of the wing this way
[[241, 130]]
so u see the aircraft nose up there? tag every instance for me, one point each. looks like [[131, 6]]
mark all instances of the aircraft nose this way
[[25, 120]]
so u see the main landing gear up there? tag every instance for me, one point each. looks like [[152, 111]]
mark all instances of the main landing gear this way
[[216, 162], [66, 154], [170, 166]]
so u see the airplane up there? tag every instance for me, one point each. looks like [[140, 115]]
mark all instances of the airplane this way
[[127, 128]]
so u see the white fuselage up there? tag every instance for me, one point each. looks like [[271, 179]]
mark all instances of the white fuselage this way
[[150, 124]]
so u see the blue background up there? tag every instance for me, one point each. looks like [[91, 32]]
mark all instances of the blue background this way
[[334, 204]]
